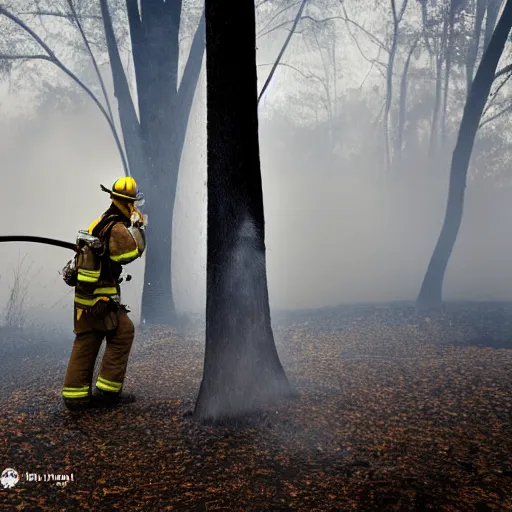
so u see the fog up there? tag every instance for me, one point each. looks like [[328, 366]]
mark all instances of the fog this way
[[331, 237], [335, 234]]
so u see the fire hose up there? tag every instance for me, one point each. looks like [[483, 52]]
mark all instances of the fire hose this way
[[44, 240], [38, 239]]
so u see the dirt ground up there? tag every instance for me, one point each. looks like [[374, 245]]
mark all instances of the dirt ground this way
[[395, 412]]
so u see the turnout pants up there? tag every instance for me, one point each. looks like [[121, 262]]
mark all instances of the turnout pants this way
[[91, 327]]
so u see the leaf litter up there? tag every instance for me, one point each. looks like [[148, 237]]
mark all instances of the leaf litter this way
[[394, 412]]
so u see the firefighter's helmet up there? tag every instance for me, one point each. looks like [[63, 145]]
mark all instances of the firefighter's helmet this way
[[124, 188]]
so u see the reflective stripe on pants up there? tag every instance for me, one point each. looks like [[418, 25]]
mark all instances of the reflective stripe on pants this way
[[85, 350], [70, 392]]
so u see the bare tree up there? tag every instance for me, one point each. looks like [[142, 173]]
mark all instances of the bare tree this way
[[430, 295], [403, 101], [397, 18], [439, 47], [50, 56]]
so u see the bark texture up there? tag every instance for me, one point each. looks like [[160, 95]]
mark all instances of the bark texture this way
[[242, 370]]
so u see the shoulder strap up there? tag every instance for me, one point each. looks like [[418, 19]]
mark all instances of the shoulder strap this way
[[104, 234], [105, 223], [103, 226]]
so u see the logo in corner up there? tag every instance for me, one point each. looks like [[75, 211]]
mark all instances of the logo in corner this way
[[9, 478]]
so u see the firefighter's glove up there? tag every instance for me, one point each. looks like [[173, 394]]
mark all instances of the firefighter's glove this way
[[70, 273]]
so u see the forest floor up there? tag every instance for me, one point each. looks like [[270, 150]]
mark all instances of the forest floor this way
[[395, 412]]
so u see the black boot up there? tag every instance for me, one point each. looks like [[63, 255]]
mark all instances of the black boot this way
[[78, 404], [108, 399]]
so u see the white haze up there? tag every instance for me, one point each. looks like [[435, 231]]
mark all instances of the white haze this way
[[331, 237]]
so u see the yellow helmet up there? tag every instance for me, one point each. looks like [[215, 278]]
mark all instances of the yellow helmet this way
[[124, 188]]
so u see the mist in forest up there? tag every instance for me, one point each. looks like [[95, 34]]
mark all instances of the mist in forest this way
[[337, 230], [331, 237]]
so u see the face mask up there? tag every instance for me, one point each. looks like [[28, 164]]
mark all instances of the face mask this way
[[140, 201]]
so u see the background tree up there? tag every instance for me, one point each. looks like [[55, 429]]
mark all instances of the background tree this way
[[430, 295], [153, 134], [164, 104], [398, 14], [242, 371]]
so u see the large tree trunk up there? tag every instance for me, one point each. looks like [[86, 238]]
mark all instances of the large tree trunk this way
[[242, 371], [164, 110], [430, 295], [157, 82]]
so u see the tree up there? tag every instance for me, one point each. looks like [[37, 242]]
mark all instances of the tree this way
[[430, 295], [283, 49], [481, 6], [403, 102], [153, 134], [437, 49], [242, 370], [164, 108], [453, 7], [493, 9], [391, 49], [397, 18]]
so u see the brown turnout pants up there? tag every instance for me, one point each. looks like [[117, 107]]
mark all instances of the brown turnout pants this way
[[90, 331]]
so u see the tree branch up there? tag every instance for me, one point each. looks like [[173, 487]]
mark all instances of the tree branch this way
[[356, 42], [55, 60], [504, 71], [193, 64], [369, 34], [367, 74], [94, 62], [56, 14], [132, 9], [283, 49], [331, 18], [495, 116], [25, 57], [189, 80], [275, 16], [393, 10], [402, 10], [284, 23], [307, 77], [284, 64], [259, 4], [133, 143], [494, 95]]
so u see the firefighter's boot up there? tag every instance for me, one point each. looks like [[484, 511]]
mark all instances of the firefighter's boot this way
[[110, 399], [78, 404]]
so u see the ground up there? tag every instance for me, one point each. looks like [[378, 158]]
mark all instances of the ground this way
[[394, 412]]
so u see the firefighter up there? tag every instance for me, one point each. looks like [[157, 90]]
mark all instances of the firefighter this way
[[114, 239]]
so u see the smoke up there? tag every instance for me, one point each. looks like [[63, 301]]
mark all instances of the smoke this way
[[347, 237], [334, 233], [53, 165]]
